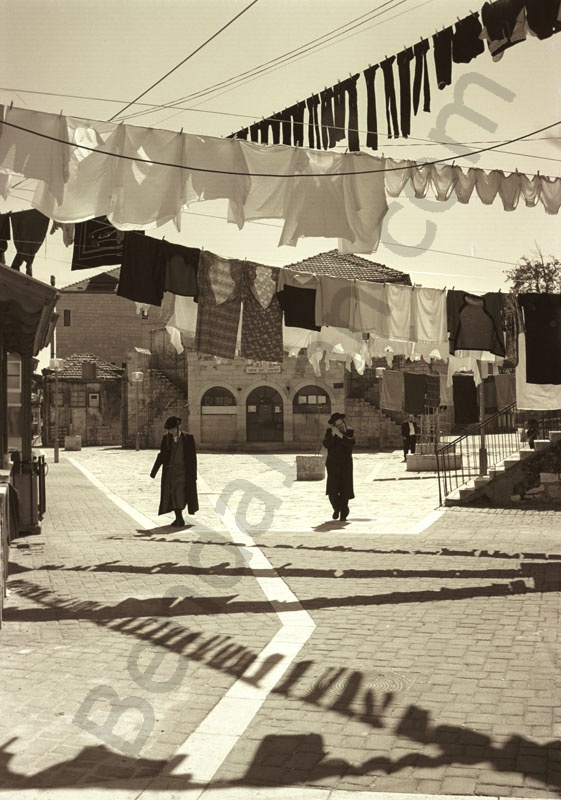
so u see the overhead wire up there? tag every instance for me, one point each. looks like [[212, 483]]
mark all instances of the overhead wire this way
[[290, 55], [187, 58]]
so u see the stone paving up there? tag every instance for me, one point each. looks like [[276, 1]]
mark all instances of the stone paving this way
[[267, 651]]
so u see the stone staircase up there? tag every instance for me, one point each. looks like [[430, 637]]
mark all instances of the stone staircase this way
[[478, 488]]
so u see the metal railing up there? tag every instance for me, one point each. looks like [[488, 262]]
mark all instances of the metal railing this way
[[486, 444], [470, 455]]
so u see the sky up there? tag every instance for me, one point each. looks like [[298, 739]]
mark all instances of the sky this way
[[92, 58]]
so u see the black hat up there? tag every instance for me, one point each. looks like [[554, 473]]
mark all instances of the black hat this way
[[171, 422], [334, 417]]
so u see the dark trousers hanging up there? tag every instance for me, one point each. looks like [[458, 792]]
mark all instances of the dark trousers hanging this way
[[391, 104], [314, 139], [403, 61], [421, 76], [371, 116]]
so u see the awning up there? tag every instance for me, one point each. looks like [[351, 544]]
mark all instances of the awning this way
[[27, 318]]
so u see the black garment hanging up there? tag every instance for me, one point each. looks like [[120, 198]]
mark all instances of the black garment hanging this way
[[543, 17], [29, 229], [391, 105], [340, 92], [466, 44], [542, 318], [314, 138], [299, 306], [5, 236], [404, 59], [180, 268], [142, 273], [243, 133], [475, 323], [499, 17], [274, 124], [371, 115], [297, 113], [464, 392], [420, 51], [254, 132], [328, 139], [443, 56], [414, 390], [97, 244]]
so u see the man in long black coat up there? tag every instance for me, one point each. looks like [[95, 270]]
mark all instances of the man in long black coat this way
[[178, 459], [339, 441]]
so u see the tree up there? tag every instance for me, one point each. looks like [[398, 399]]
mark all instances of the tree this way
[[536, 274]]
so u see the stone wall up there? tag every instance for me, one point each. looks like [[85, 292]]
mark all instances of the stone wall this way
[[104, 324]]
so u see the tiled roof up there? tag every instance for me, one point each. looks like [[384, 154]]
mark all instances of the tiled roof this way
[[72, 369], [332, 262], [343, 265], [104, 282]]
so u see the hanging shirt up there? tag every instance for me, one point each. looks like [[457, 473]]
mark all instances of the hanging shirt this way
[[505, 389], [365, 192], [466, 42], [147, 193], [44, 158], [266, 196], [334, 301], [261, 337], [542, 320], [226, 177], [371, 311], [92, 172], [297, 296], [220, 294], [475, 323], [322, 205], [504, 24], [142, 274], [428, 315], [181, 265], [398, 297]]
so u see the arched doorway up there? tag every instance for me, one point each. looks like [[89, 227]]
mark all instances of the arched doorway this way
[[311, 408], [264, 415], [218, 416]]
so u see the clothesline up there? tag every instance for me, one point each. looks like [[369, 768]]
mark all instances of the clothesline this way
[[247, 173]]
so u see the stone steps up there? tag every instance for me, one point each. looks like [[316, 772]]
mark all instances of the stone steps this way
[[464, 494]]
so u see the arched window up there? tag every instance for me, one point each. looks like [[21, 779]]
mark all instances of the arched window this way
[[218, 396], [311, 400]]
